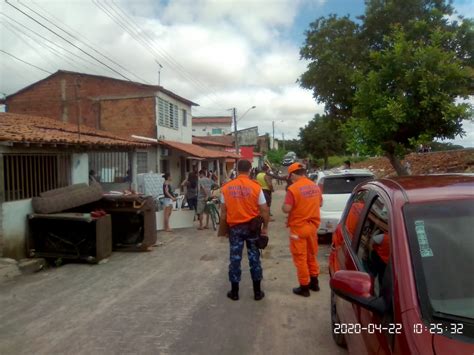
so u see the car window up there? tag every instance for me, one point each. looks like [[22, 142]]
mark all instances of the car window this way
[[442, 247], [374, 245], [342, 184], [354, 214]]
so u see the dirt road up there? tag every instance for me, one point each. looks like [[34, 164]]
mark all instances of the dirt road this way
[[168, 301]]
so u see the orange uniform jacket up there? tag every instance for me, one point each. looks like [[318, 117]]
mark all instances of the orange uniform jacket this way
[[241, 199], [307, 198]]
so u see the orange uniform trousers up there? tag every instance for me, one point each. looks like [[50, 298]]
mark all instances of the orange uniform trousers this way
[[304, 249]]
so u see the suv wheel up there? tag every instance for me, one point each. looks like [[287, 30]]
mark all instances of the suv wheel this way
[[338, 338]]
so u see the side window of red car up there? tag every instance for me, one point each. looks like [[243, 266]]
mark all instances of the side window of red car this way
[[355, 213], [374, 245]]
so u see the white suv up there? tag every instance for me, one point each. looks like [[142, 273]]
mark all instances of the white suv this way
[[336, 186]]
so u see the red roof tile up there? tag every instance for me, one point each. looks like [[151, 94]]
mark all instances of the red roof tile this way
[[18, 128], [205, 141], [197, 151]]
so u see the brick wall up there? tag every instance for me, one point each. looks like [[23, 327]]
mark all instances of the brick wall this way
[[129, 116], [66, 96]]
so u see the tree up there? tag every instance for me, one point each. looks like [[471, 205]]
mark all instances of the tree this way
[[409, 93], [394, 78], [335, 47], [275, 156], [322, 137], [295, 145]]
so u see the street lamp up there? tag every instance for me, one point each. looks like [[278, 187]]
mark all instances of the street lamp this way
[[234, 113]]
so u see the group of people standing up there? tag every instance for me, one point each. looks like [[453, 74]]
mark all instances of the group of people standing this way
[[243, 200]]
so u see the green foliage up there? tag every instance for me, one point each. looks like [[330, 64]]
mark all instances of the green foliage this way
[[394, 78], [408, 94], [295, 145], [322, 137], [440, 146], [334, 47], [275, 156]]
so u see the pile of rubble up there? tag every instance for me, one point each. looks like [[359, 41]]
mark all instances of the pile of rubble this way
[[454, 161]]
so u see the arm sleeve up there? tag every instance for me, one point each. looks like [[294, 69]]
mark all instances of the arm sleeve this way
[[261, 198], [289, 198]]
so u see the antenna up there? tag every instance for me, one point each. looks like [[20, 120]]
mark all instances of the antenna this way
[[159, 71]]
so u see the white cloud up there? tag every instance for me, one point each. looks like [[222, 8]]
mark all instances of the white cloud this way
[[218, 53]]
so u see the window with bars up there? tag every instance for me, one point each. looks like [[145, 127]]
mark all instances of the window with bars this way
[[110, 167], [27, 175], [168, 114], [142, 162]]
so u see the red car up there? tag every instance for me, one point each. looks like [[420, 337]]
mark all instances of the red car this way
[[401, 267]]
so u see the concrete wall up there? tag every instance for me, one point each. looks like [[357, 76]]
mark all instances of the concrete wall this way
[[205, 129], [79, 168], [14, 216]]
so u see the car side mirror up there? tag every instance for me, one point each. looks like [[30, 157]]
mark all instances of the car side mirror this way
[[357, 287]]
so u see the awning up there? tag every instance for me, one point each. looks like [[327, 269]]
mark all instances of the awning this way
[[195, 151], [198, 151]]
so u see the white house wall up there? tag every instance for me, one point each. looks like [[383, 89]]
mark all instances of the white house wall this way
[[201, 130], [14, 217], [182, 134], [79, 168]]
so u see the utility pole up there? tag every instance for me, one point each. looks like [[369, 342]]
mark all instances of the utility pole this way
[[234, 114], [283, 136], [273, 128]]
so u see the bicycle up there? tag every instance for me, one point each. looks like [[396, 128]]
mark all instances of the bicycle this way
[[212, 210]]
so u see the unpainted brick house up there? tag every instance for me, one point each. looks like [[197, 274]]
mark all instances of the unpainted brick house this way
[[121, 107]]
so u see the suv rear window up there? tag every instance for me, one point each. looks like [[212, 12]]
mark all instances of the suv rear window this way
[[342, 184]]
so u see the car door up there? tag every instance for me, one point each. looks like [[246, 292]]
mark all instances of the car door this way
[[343, 258], [372, 249]]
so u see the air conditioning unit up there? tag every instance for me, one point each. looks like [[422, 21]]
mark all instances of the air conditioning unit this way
[[165, 152]]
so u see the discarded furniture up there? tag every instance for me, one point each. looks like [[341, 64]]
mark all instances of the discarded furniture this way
[[70, 236]]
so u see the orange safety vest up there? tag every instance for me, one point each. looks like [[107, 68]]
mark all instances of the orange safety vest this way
[[383, 249], [307, 196], [241, 200]]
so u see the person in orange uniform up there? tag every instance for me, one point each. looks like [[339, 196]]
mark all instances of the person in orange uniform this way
[[302, 204], [242, 200]]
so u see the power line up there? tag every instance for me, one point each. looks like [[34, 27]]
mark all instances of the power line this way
[[135, 32], [21, 60], [164, 52], [84, 43], [68, 41], [44, 45]]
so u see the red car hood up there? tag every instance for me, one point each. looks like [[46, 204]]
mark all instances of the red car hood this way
[[444, 345]]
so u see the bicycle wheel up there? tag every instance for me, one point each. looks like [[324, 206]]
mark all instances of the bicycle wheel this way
[[213, 212]]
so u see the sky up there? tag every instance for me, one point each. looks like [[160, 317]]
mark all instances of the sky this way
[[218, 53]]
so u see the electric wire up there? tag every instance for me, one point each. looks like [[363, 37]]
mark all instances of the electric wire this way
[[135, 34], [68, 41], [24, 61], [143, 34], [70, 61], [199, 83], [85, 44]]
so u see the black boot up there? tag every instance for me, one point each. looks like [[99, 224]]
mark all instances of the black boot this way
[[233, 294], [314, 284], [257, 292], [302, 291]]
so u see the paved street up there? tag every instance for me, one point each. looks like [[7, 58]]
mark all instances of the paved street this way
[[168, 301]]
